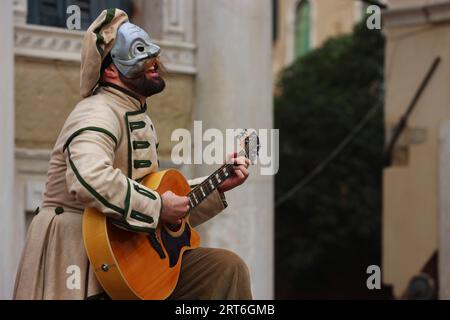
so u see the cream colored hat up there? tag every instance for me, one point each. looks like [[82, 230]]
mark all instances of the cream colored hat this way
[[97, 43]]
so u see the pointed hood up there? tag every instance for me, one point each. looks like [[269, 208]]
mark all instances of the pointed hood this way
[[97, 43]]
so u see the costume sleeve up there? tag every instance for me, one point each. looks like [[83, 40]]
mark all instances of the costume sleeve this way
[[95, 183], [214, 204]]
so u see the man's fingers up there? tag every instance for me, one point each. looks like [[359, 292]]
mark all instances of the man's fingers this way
[[175, 207], [185, 201], [238, 161], [231, 157], [241, 161], [244, 170], [182, 201], [240, 174], [234, 159], [246, 162], [179, 214], [183, 209]]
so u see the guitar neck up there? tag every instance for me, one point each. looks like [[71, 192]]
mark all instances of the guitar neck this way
[[204, 189]]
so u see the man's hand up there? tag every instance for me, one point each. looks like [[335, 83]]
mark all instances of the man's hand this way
[[240, 173], [174, 207]]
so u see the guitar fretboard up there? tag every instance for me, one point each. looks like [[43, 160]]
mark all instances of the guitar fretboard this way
[[204, 189]]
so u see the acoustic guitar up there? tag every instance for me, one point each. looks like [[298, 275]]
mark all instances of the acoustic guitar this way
[[132, 265]]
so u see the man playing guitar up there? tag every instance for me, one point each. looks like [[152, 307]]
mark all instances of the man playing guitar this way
[[106, 147]]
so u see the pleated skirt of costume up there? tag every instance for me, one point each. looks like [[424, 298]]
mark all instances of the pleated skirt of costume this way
[[54, 264]]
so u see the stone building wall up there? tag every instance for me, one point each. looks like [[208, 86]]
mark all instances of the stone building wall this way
[[47, 91], [415, 204]]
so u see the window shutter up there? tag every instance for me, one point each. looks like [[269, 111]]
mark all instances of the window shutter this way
[[98, 6], [85, 8], [302, 28], [46, 12]]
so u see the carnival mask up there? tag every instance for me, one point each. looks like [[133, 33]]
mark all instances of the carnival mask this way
[[132, 49]]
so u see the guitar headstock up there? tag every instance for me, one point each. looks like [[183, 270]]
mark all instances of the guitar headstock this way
[[249, 143]]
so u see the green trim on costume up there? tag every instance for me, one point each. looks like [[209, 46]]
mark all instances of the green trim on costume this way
[[137, 125], [110, 13], [127, 197], [97, 129], [127, 122], [141, 179], [137, 145], [144, 192], [90, 189], [140, 164], [126, 225], [141, 217], [160, 209], [129, 148], [121, 89]]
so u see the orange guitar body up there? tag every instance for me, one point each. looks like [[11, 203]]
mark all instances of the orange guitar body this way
[[126, 263]]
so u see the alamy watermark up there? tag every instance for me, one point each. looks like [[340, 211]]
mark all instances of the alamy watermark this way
[[373, 20], [212, 146], [73, 281], [374, 280], [73, 21]]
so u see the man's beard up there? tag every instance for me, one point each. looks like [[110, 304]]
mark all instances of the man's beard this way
[[144, 86]]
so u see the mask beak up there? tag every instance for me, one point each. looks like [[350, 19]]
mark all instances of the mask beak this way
[[154, 51]]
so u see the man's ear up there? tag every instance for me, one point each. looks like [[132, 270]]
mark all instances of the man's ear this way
[[111, 72]]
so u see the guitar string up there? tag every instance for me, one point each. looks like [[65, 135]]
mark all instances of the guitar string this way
[[204, 189], [199, 191], [220, 172]]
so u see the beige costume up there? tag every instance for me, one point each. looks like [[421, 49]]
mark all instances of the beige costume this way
[[106, 146]]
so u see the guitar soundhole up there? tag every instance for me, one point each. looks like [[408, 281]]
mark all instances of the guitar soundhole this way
[[174, 245]]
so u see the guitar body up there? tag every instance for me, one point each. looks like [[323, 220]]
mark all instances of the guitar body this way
[[127, 264]]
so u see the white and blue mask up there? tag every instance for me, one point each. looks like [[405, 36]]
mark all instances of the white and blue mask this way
[[131, 49]]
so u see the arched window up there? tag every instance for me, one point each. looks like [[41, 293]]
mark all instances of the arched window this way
[[302, 28]]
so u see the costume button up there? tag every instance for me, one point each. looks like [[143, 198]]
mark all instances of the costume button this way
[[59, 210]]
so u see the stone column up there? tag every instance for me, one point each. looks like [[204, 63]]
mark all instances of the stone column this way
[[234, 90], [8, 244]]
